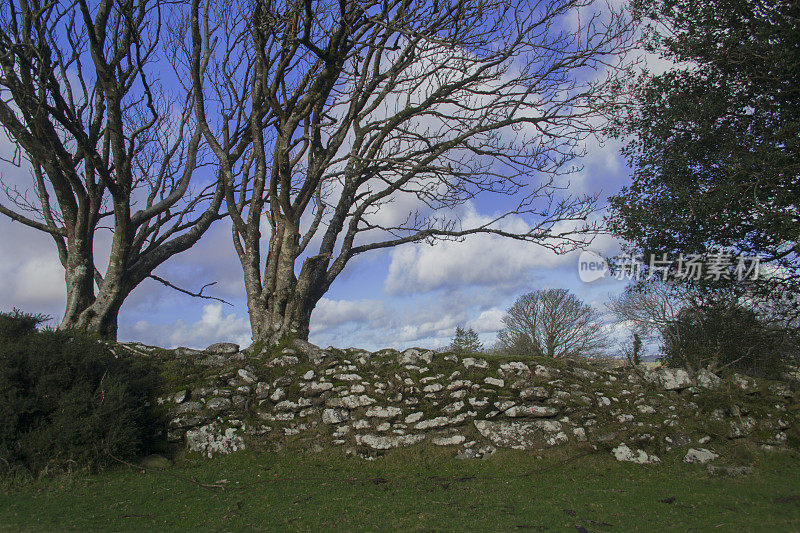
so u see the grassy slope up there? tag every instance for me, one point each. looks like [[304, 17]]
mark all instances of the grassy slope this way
[[418, 489]]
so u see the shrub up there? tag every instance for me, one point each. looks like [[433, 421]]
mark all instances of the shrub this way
[[727, 337], [67, 402]]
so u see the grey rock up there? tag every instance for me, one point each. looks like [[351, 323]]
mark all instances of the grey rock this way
[[213, 439], [472, 362], [247, 376], [534, 393], [453, 440], [383, 412], [334, 416], [517, 435], [224, 348], [219, 404], [707, 379], [699, 455], [624, 453], [532, 411], [283, 361], [386, 442]]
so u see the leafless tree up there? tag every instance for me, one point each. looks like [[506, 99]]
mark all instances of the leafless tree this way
[[552, 323], [327, 116], [649, 307], [108, 144]]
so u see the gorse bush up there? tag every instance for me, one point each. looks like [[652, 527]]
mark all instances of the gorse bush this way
[[726, 337], [67, 402]]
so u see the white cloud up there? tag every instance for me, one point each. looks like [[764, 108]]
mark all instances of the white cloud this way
[[489, 321], [478, 260], [39, 280], [330, 313], [213, 326]]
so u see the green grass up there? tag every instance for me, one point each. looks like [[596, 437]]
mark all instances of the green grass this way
[[413, 489]]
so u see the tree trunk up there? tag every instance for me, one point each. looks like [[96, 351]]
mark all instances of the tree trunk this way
[[282, 306]]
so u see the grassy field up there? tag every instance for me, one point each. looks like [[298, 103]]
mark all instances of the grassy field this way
[[412, 489]]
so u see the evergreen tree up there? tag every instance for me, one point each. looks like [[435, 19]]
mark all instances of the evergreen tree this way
[[466, 342]]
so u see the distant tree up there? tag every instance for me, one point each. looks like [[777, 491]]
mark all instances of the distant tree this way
[[466, 341], [552, 323], [648, 307], [715, 147]]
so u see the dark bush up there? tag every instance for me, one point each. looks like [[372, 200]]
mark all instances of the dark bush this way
[[727, 337], [67, 402]]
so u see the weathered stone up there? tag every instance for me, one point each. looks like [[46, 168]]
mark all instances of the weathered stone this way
[[287, 405], [495, 382], [348, 377], [624, 453], [247, 376], [583, 373], [699, 455], [673, 378], [316, 388], [782, 390], [557, 439], [747, 384], [386, 442], [514, 368], [533, 411], [414, 417], [439, 421], [517, 435], [453, 440], [278, 395], [412, 356], [185, 408], [742, 427], [534, 393], [383, 412], [211, 439], [224, 348], [219, 404], [262, 390], [283, 361], [351, 402], [707, 379], [454, 407], [472, 362], [433, 387], [334, 416]]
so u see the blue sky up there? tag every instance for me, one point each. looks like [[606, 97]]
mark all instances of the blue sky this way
[[413, 295]]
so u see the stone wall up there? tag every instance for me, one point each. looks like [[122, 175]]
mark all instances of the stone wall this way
[[221, 400]]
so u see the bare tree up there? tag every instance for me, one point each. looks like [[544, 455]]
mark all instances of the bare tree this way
[[649, 307], [108, 145], [322, 114], [552, 323]]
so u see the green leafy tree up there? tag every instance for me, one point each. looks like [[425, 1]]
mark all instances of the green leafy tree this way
[[726, 336], [466, 341], [715, 147]]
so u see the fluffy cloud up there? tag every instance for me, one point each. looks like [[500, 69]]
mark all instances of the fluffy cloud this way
[[478, 260], [213, 326]]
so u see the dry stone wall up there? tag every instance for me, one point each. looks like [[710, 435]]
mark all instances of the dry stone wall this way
[[222, 400]]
